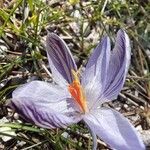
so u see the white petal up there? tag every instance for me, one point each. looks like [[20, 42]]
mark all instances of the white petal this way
[[41, 90]]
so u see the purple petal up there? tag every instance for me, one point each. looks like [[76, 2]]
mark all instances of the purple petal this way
[[46, 115], [114, 129], [118, 66], [45, 105], [60, 59], [94, 76]]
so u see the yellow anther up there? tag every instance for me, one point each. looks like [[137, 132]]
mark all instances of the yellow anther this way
[[77, 92]]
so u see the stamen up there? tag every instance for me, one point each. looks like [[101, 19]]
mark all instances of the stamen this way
[[77, 92]]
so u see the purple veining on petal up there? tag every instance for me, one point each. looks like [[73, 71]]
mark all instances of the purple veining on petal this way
[[60, 58], [98, 63], [51, 106], [47, 115], [118, 71], [94, 76]]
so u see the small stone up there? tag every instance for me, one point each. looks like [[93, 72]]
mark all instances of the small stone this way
[[65, 135]]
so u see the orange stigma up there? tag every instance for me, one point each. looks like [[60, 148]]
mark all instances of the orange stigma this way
[[77, 92]]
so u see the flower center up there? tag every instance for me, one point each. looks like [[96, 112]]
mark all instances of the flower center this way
[[76, 91]]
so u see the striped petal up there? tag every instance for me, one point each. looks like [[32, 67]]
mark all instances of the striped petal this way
[[118, 66], [60, 59], [94, 76], [44, 105], [46, 115]]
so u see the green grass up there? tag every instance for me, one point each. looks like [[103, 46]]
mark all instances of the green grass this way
[[23, 27]]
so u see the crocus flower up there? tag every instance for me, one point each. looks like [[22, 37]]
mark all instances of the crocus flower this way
[[75, 96]]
